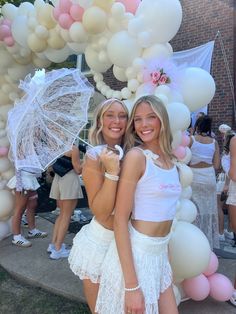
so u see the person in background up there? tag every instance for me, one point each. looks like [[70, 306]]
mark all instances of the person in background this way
[[100, 175], [136, 274], [205, 160], [25, 185], [66, 190]]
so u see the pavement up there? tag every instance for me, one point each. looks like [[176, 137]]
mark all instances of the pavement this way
[[33, 266]]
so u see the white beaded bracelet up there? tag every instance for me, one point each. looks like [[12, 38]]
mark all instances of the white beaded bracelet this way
[[111, 176], [132, 289]]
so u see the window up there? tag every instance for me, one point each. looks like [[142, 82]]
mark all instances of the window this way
[[82, 65]]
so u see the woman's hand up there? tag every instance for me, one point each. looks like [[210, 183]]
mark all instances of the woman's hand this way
[[110, 161], [134, 302]]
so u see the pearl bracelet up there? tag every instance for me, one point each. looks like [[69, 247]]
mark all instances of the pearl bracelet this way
[[111, 176], [132, 289]]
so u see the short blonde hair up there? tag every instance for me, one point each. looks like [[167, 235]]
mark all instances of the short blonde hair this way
[[165, 137], [95, 132]]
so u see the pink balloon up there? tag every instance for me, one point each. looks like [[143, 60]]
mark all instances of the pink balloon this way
[[56, 13], [64, 6], [9, 41], [130, 5], [197, 288], [76, 12], [221, 288], [212, 266], [3, 151], [6, 22], [65, 21], [179, 152], [185, 140], [5, 31]]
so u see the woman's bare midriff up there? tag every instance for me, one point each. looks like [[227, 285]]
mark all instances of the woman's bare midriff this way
[[151, 228], [201, 165]]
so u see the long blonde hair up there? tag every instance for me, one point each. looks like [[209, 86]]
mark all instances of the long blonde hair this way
[[95, 132], [165, 137]]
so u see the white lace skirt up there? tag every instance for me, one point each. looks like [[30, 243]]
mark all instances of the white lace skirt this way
[[231, 200], [29, 181], [87, 254], [205, 198], [152, 268]]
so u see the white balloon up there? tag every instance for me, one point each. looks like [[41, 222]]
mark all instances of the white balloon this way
[[4, 164], [163, 98], [85, 3], [197, 87], [156, 51], [177, 138], [187, 211], [25, 8], [144, 90], [118, 46], [98, 77], [164, 90], [138, 64], [109, 93], [78, 33], [57, 55], [113, 25], [144, 39], [9, 11], [135, 26], [133, 85], [119, 73], [41, 31], [4, 230], [179, 116], [118, 10], [186, 192], [6, 204], [77, 48], [189, 251], [188, 156], [176, 96], [162, 17], [117, 94], [20, 30], [185, 174], [126, 93]]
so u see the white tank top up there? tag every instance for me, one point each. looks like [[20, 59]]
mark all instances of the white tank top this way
[[202, 152], [157, 192]]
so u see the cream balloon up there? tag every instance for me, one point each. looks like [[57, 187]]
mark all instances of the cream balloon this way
[[118, 10], [104, 4], [197, 87], [189, 251], [179, 116], [20, 30], [77, 48], [186, 192], [55, 41], [57, 55], [4, 142], [93, 62], [78, 33], [119, 73], [7, 203], [44, 14], [36, 44], [118, 46], [94, 20], [40, 63], [126, 93], [5, 59], [185, 174], [187, 211], [42, 32]]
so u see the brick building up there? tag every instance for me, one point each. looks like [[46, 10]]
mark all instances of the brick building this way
[[201, 21]]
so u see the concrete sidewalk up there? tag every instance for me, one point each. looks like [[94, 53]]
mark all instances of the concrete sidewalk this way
[[33, 266]]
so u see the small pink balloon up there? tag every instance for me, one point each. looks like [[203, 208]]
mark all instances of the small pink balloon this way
[[6, 22], [221, 288], [185, 140], [76, 12], [64, 6], [5, 31], [56, 13], [3, 151], [180, 152], [65, 21], [130, 6], [197, 288], [9, 41], [212, 266]]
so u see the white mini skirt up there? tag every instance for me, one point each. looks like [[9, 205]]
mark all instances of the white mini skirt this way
[[87, 254], [152, 268], [28, 180]]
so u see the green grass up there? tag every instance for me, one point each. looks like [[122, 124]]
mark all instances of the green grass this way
[[18, 298]]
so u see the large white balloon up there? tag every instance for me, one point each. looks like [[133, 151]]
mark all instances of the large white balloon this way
[[189, 251], [123, 49], [197, 87], [58, 55], [179, 116], [119, 73], [185, 174], [156, 51], [20, 30], [187, 211], [163, 17]]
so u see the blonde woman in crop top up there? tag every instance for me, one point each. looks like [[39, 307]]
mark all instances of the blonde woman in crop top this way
[[136, 274], [205, 160]]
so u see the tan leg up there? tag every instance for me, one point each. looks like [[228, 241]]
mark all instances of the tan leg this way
[[31, 206], [20, 205], [167, 302], [232, 217], [67, 207], [91, 293], [220, 215]]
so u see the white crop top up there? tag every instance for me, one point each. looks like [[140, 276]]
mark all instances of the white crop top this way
[[202, 152], [157, 192]]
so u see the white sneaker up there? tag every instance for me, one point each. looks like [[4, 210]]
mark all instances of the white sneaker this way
[[21, 241], [233, 298], [35, 233], [51, 247], [229, 235], [222, 237], [62, 253]]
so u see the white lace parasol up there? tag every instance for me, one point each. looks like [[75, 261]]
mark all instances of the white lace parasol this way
[[44, 124]]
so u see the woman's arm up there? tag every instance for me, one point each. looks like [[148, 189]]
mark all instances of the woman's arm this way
[[101, 191], [75, 158], [216, 157], [232, 149], [132, 169]]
